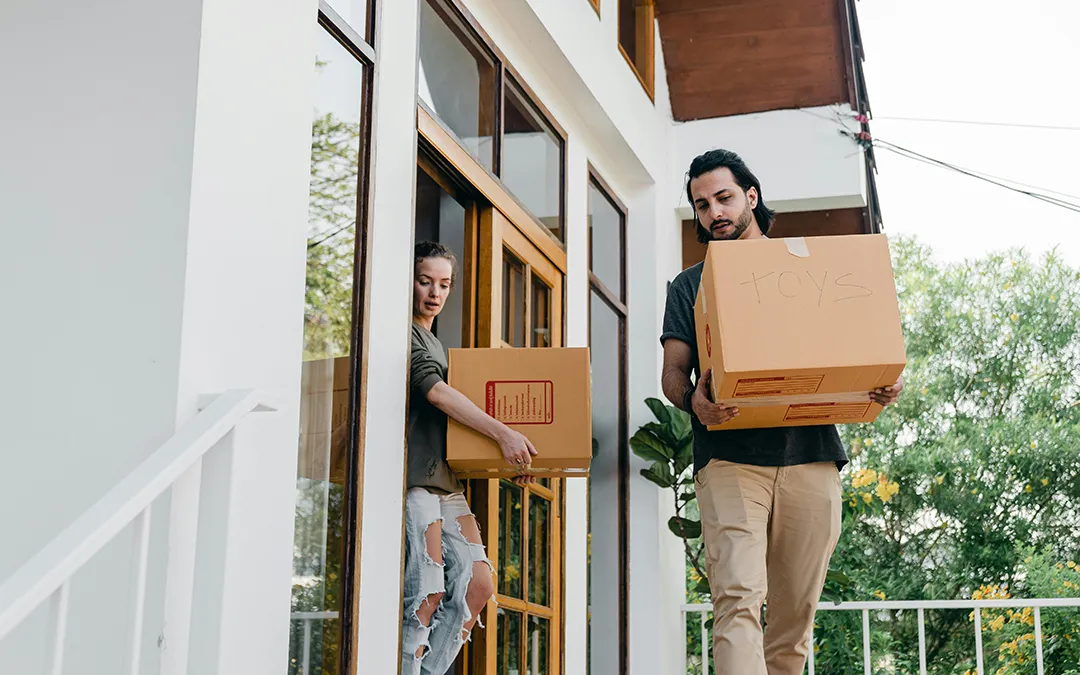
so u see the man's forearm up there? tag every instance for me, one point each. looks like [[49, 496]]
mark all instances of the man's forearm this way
[[676, 385]]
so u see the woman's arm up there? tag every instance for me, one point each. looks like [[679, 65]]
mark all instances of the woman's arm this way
[[516, 448]]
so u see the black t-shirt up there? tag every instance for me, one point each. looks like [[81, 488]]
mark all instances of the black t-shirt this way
[[781, 446]]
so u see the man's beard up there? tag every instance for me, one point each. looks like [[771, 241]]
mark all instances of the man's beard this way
[[745, 218]]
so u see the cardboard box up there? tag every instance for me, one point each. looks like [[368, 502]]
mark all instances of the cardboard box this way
[[798, 331], [324, 419], [546, 394]]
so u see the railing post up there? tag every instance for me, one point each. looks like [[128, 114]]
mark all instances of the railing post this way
[[138, 608], [922, 641], [1038, 642], [175, 638], [810, 653], [705, 643], [306, 660], [978, 642], [58, 617], [867, 669], [215, 524], [682, 640]]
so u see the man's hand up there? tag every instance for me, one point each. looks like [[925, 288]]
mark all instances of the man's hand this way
[[709, 413], [888, 395]]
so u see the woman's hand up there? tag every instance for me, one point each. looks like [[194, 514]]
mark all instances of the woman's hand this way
[[518, 452], [516, 449]]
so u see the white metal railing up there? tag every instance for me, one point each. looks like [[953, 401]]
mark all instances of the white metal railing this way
[[47, 575], [919, 606], [307, 618]]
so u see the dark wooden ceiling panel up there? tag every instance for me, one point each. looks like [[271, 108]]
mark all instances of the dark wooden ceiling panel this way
[[732, 57]]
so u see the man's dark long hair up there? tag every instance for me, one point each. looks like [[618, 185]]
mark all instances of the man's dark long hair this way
[[726, 159]]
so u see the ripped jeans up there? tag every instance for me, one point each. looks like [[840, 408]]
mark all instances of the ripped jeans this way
[[444, 637]]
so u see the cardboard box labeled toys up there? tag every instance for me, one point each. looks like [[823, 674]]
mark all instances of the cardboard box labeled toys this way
[[546, 394], [798, 331]]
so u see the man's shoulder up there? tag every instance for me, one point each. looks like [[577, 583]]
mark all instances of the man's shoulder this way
[[689, 279]]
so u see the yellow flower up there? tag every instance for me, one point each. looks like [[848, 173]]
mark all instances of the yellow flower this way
[[1045, 482], [1053, 297], [1014, 317], [893, 488], [997, 624], [1059, 566], [1071, 565], [1027, 488], [880, 595], [924, 391], [1034, 444], [863, 477], [977, 595], [940, 479], [854, 502], [867, 497], [974, 491]]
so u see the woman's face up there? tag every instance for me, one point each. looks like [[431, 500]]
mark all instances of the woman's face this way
[[431, 286]]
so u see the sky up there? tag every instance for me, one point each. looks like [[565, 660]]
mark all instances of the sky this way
[[976, 60]]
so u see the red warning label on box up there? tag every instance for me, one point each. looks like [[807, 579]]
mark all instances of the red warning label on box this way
[[521, 401], [827, 412], [778, 386]]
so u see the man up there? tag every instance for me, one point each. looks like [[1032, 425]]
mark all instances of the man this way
[[769, 498]]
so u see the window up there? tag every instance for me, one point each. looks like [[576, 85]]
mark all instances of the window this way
[[355, 13], [532, 159], [457, 81], [468, 87], [636, 31], [327, 483], [609, 478]]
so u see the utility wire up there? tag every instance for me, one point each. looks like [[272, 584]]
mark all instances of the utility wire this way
[[980, 123], [911, 154]]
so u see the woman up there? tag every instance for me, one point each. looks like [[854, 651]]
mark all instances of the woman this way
[[448, 578]]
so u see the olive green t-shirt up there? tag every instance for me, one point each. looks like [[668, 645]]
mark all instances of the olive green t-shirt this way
[[427, 424]]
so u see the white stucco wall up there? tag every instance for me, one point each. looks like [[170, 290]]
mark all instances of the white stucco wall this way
[[803, 162], [153, 205]]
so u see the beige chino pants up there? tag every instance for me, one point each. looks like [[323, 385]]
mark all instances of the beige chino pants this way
[[769, 533]]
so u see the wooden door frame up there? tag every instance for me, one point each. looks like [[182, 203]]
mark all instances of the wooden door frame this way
[[502, 223]]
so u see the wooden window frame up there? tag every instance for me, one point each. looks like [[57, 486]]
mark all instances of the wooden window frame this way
[[596, 6], [505, 70], [360, 45], [645, 32], [617, 301]]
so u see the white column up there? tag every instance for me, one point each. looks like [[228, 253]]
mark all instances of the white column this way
[[243, 308], [577, 335], [389, 299]]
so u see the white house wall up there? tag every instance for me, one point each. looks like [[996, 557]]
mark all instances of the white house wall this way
[[802, 160]]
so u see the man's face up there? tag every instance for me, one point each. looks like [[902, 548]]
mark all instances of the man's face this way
[[722, 207]]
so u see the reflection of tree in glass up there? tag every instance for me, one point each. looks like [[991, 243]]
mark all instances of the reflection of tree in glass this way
[[335, 147], [317, 558], [318, 547]]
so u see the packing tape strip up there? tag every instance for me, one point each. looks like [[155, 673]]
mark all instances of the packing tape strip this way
[[796, 399], [796, 246]]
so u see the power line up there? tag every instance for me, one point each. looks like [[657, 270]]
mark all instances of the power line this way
[[1013, 182], [981, 123], [903, 152], [865, 139]]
